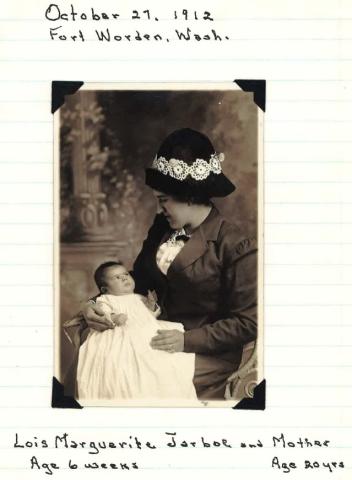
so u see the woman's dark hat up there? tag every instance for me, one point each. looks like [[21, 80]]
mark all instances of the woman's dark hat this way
[[186, 163]]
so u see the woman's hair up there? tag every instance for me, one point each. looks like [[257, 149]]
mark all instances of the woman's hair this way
[[100, 271], [192, 198]]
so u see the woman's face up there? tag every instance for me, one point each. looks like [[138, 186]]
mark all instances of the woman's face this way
[[118, 281], [176, 213]]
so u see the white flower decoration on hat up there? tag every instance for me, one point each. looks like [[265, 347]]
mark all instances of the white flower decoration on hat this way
[[178, 169], [215, 162], [165, 166], [200, 169]]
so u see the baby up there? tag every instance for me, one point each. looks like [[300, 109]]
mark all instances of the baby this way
[[113, 278], [119, 363]]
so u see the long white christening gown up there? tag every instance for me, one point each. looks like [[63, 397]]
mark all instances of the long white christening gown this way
[[119, 363]]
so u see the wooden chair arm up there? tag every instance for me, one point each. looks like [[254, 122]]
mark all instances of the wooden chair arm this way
[[242, 382]]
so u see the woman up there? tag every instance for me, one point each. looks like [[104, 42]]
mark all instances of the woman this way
[[202, 268]]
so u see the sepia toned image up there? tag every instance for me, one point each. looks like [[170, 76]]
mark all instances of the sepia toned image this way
[[159, 245]]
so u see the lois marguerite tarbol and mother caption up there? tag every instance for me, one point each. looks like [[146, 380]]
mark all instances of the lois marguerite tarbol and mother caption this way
[[202, 268]]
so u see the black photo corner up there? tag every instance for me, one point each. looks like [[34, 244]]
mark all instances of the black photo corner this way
[[59, 89], [59, 399], [258, 87], [257, 402]]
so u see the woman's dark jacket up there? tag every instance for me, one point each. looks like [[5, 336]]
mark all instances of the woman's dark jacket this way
[[210, 287]]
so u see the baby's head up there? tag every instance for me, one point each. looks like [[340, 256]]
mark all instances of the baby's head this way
[[114, 279]]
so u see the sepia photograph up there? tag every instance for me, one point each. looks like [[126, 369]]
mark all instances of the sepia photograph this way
[[159, 244]]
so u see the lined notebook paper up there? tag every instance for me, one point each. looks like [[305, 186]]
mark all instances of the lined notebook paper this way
[[303, 51]]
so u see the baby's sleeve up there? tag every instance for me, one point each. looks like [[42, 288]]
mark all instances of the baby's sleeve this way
[[105, 306]]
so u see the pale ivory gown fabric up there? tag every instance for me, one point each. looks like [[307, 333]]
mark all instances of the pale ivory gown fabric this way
[[120, 364]]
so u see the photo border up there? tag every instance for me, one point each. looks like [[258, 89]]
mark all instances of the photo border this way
[[62, 88]]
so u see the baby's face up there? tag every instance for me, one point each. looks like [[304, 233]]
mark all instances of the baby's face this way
[[118, 281]]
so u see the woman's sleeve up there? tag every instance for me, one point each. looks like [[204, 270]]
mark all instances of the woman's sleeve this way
[[238, 325], [76, 330]]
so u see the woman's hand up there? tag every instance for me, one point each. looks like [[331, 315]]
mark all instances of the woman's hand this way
[[168, 340], [95, 317]]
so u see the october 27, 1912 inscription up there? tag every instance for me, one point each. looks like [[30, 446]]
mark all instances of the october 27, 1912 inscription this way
[[70, 24]]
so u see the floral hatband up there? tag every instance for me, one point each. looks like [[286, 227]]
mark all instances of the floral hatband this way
[[180, 170]]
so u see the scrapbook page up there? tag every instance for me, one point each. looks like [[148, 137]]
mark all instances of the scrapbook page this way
[[175, 239]]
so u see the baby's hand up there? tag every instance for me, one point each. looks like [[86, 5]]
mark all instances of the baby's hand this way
[[119, 319], [151, 303]]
